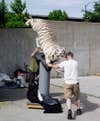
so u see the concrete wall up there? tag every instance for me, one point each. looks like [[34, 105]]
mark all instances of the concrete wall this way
[[16, 45], [82, 38]]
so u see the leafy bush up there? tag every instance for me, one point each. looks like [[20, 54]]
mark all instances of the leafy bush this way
[[93, 16], [3, 11], [58, 15], [15, 24], [15, 18]]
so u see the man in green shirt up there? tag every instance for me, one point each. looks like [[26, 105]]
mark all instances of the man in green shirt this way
[[34, 66], [33, 78]]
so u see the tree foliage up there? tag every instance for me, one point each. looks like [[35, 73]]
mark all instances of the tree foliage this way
[[3, 11], [93, 16], [14, 21], [18, 7], [58, 15], [16, 17]]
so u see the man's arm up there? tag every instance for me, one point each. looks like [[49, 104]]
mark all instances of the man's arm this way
[[58, 67], [35, 51], [55, 66]]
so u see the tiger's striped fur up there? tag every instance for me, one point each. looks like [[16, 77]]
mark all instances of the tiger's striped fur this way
[[46, 39]]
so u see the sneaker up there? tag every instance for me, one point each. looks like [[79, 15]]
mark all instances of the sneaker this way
[[79, 111], [69, 114]]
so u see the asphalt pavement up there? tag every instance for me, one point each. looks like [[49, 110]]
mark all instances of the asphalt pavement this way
[[13, 103]]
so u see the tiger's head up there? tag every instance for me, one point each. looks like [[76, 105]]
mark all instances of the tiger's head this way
[[32, 21], [58, 54], [28, 22]]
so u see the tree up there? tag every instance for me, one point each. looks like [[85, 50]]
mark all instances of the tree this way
[[18, 7], [58, 15], [16, 18], [3, 11], [94, 15], [14, 21]]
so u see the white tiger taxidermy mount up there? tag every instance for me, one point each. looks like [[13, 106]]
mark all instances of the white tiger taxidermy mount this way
[[46, 40]]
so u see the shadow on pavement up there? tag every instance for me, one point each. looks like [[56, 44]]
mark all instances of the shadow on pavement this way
[[57, 94], [88, 106], [12, 94], [20, 93]]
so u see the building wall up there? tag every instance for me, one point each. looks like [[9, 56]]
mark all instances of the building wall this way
[[82, 38]]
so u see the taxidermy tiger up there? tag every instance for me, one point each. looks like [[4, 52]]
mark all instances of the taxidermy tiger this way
[[46, 40]]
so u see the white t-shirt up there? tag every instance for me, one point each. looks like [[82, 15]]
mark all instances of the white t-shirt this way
[[70, 71]]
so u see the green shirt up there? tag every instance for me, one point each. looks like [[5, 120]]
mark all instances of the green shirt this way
[[34, 65]]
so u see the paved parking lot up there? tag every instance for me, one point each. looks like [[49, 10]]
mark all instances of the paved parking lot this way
[[13, 103]]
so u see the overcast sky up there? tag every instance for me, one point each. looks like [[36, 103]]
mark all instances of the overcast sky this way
[[43, 7]]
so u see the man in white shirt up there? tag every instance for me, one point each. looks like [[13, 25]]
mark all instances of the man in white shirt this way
[[71, 86]]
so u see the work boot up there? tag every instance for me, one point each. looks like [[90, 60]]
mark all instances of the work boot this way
[[69, 114], [79, 111]]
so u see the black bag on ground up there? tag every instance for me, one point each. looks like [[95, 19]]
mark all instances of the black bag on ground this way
[[32, 93]]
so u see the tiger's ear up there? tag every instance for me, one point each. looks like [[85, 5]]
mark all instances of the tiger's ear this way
[[26, 19], [53, 56], [64, 48]]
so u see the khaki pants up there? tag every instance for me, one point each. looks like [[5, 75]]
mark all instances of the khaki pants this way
[[71, 90]]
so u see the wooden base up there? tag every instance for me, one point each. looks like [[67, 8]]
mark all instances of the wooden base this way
[[97, 74], [34, 106]]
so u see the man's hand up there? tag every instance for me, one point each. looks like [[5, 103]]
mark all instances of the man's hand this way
[[59, 70], [50, 65], [35, 51], [55, 66]]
